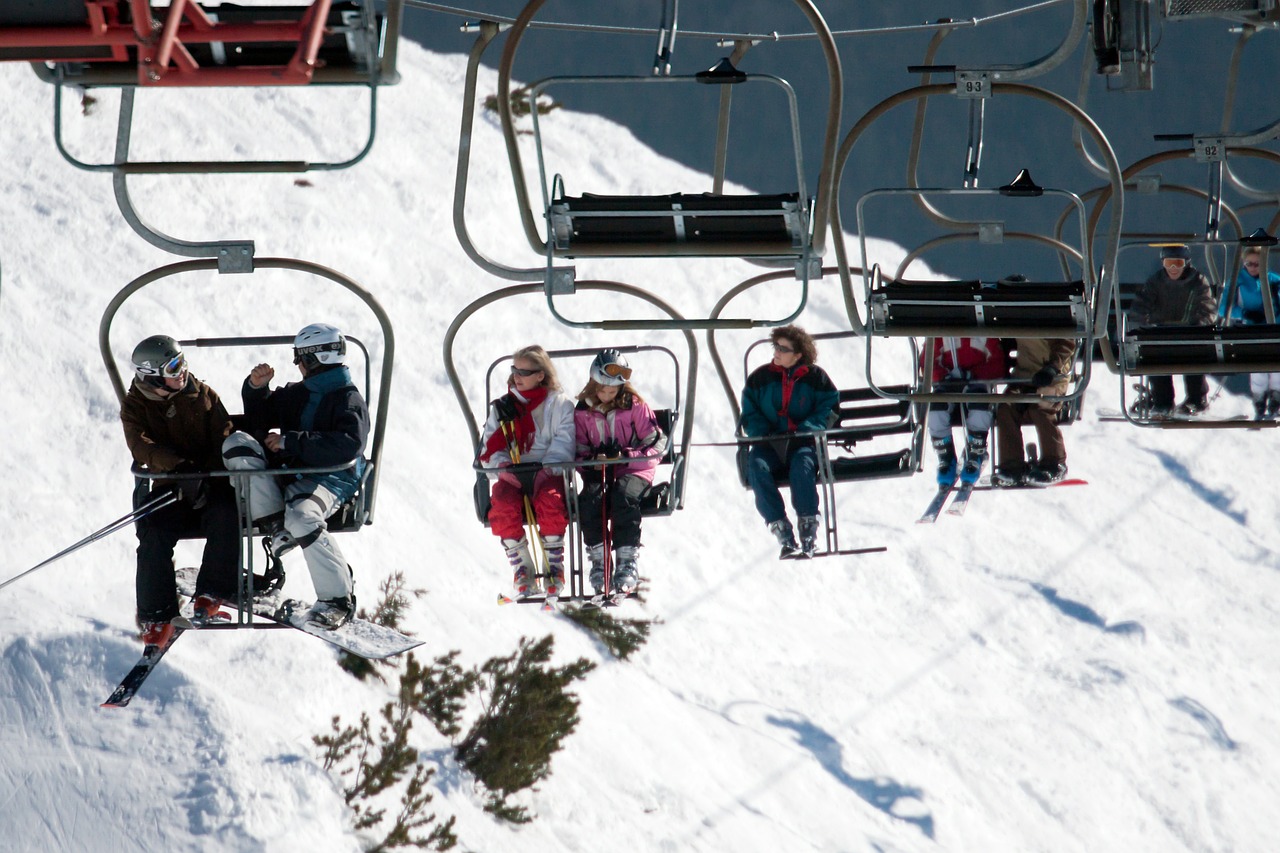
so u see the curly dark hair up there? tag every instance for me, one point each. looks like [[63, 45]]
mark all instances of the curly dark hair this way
[[803, 341]]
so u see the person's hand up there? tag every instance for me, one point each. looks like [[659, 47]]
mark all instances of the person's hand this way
[[1044, 376], [505, 408], [261, 375], [273, 441], [194, 493], [508, 477]]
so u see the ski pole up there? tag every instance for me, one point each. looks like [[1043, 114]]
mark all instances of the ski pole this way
[[146, 509]]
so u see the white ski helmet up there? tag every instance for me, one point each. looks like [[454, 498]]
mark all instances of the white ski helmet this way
[[158, 358], [319, 344], [610, 368]]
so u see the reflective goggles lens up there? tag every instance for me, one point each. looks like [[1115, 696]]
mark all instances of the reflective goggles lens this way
[[1175, 262], [174, 367], [520, 371], [615, 370]]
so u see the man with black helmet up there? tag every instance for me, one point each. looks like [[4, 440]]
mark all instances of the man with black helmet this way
[[174, 423], [1176, 294], [318, 422]]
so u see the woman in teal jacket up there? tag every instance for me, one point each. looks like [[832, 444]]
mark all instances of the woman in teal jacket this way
[[789, 395]]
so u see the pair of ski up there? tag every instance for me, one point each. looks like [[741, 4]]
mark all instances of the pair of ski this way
[[965, 490], [597, 601], [958, 505], [359, 637]]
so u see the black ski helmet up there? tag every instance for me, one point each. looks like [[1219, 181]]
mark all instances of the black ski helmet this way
[[158, 358], [610, 368]]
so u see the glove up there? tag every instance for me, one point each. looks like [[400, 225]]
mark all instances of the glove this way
[[609, 450], [507, 477], [1044, 376], [194, 493], [505, 408]]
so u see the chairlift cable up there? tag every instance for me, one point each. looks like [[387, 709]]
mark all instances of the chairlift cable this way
[[728, 37]]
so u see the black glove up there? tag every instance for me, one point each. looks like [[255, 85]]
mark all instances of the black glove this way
[[505, 408], [1044, 376], [609, 450], [194, 493]]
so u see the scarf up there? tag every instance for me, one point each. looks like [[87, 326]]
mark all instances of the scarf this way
[[521, 427], [788, 385]]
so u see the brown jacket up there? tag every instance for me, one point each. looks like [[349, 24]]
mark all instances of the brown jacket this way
[[1035, 353], [164, 432]]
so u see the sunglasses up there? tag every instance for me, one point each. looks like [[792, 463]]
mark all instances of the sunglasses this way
[[616, 370], [1252, 264], [520, 371], [784, 350]]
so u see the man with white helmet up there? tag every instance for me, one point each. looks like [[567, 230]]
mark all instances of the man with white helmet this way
[[318, 422], [174, 423]]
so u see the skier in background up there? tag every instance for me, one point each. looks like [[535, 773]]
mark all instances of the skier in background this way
[[1246, 307], [320, 422], [532, 422], [962, 365], [612, 421], [788, 395], [1176, 294], [174, 423]]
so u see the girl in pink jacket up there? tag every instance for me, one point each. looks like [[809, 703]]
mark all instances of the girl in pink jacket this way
[[612, 421]]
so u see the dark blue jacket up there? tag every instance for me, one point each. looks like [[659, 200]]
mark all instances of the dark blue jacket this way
[[777, 401], [323, 421]]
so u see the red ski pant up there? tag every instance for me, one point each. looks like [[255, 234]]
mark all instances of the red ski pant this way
[[506, 511]]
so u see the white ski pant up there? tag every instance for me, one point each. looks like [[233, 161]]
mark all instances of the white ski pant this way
[[1261, 383], [305, 505]]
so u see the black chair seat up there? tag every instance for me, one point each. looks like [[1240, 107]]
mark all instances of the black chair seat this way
[[923, 308]]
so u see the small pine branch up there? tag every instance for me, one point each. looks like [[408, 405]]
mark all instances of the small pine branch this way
[[439, 691], [622, 637], [528, 713], [374, 764]]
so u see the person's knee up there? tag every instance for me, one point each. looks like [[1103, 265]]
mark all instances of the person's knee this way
[[242, 452]]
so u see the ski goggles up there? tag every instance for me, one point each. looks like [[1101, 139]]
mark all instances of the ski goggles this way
[[520, 371], [300, 353], [171, 369], [617, 370]]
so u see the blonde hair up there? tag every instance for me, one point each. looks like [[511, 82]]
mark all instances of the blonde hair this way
[[542, 361]]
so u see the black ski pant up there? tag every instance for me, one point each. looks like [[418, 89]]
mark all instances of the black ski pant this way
[[158, 533], [625, 494], [1196, 385]]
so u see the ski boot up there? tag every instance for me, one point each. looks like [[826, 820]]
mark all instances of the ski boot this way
[[808, 525], [553, 547], [595, 554], [1007, 477], [781, 529], [156, 633], [206, 610], [1047, 474], [975, 454], [521, 565], [946, 450], [626, 577]]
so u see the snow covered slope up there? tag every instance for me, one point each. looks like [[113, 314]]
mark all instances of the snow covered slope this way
[[1079, 669]]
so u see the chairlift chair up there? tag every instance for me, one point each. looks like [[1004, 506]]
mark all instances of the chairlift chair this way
[[129, 45], [783, 229], [861, 417], [1179, 349], [356, 512], [664, 497]]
